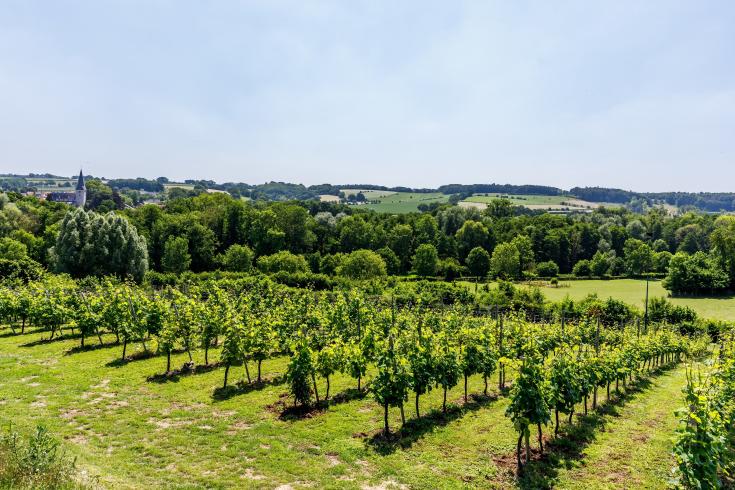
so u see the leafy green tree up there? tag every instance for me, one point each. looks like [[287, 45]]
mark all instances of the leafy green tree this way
[[695, 274], [582, 268], [362, 264], [283, 261], [661, 261], [12, 249], [392, 262], [505, 261], [176, 256], [426, 230], [547, 269], [638, 256], [92, 244], [723, 245], [238, 258], [426, 260], [329, 263], [472, 234], [478, 262], [401, 242], [525, 252]]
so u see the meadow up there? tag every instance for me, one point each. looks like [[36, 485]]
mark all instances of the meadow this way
[[405, 202], [531, 201], [130, 429], [633, 292]]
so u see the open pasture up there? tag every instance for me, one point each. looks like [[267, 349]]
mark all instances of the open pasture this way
[[535, 201], [406, 202], [633, 291]]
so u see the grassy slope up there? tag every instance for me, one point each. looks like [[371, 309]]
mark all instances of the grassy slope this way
[[406, 202], [633, 291], [136, 433], [521, 199]]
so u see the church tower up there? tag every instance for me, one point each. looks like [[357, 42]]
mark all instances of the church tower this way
[[80, 195]]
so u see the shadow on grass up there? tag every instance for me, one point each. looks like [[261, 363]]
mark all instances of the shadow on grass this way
[[57, 338], [568, 448], [136, 356], [90, 347], [188, 369], [291, 413], [242, 388], [16, 333], [415, 429]]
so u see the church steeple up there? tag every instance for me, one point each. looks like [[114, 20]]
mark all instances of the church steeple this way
[[80, 182], [80, 194]]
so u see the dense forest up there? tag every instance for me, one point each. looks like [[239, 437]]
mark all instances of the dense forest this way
[[214, 231]]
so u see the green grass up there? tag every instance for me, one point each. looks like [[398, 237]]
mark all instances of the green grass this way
[[633, 291], [627, 445], [187, 187], [369, 194], [406, 202], [134, 433], [520, 199]]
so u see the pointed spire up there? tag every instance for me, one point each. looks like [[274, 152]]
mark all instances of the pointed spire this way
[[80, 182]]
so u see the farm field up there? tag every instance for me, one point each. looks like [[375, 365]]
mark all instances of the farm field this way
[[369, 194], [136, 433], [187, 187], [405, 202], [536, 201]]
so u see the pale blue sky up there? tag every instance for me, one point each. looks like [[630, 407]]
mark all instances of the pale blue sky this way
[[631, 94]]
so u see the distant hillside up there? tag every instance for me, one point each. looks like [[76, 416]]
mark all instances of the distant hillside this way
[[705, 201]]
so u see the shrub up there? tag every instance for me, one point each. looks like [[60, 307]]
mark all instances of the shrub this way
[[582, 268], [362, 264], [24, 269], [238, 258], [36, 462], [283, 261], [547, 269], [450, 269], [695, 274]]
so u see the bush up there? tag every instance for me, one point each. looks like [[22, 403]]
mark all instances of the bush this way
[[450, 269], [582, 268], [362, 264], [695, 274], [328, 263], [283, 261], [307, 280], [24, 269], [36, 463], [547, 269], [238, 258]]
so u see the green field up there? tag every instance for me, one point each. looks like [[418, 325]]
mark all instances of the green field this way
[[369, 194], [633, 291], [406, 202], [537, 201], [187, 187], [132, 432]]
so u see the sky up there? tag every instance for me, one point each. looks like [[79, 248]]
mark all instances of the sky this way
[[638, 95]]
